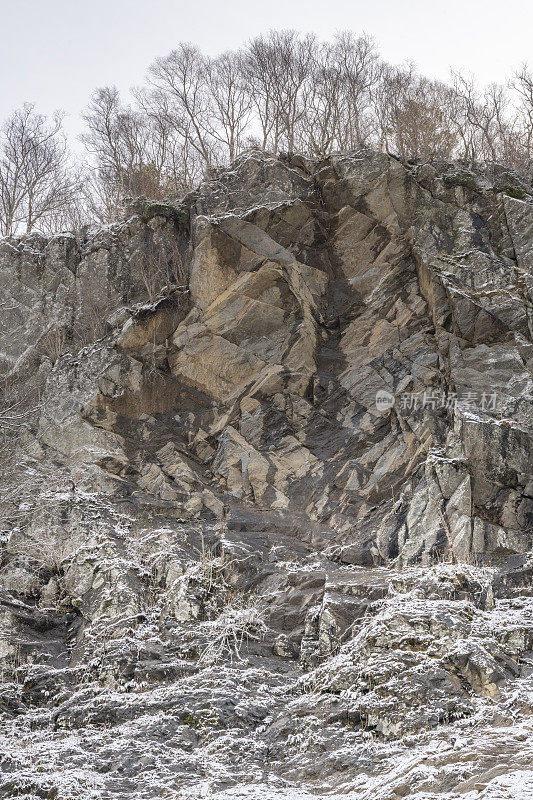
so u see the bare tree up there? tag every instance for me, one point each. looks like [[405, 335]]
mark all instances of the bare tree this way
[[522, 84], [324, 105], [231, 101], [37, 180], [129, 147], [180, 97], [485, 126], [338, 96], [157, 266], [278, 66], [260, 75], [294, 61], [283, 91], [360, 73], [411, 114]]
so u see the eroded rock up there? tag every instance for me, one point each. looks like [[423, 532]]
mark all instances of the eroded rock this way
[[279, 534]]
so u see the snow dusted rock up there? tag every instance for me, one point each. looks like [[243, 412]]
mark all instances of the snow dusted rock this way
[[58, 293], [277, 540]]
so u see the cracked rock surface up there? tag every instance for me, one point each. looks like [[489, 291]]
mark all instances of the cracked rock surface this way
[[278, 536]]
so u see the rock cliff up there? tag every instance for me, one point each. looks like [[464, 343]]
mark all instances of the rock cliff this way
[[272, 528]]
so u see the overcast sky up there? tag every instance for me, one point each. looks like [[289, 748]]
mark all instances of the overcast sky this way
[[55, 52]]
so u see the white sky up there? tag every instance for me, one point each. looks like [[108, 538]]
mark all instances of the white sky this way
[[55, 52]]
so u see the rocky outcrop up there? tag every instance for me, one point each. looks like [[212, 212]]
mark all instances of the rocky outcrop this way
[[282, 519], [62, 293]]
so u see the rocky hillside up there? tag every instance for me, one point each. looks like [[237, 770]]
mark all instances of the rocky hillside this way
[[267, 524]]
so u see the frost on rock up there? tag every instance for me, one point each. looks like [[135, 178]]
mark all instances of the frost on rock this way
[[229, 572]]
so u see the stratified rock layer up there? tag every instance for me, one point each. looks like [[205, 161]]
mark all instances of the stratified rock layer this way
[[279, 542]]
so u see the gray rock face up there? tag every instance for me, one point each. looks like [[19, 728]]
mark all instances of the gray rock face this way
[[278, 537], [57, 294]]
